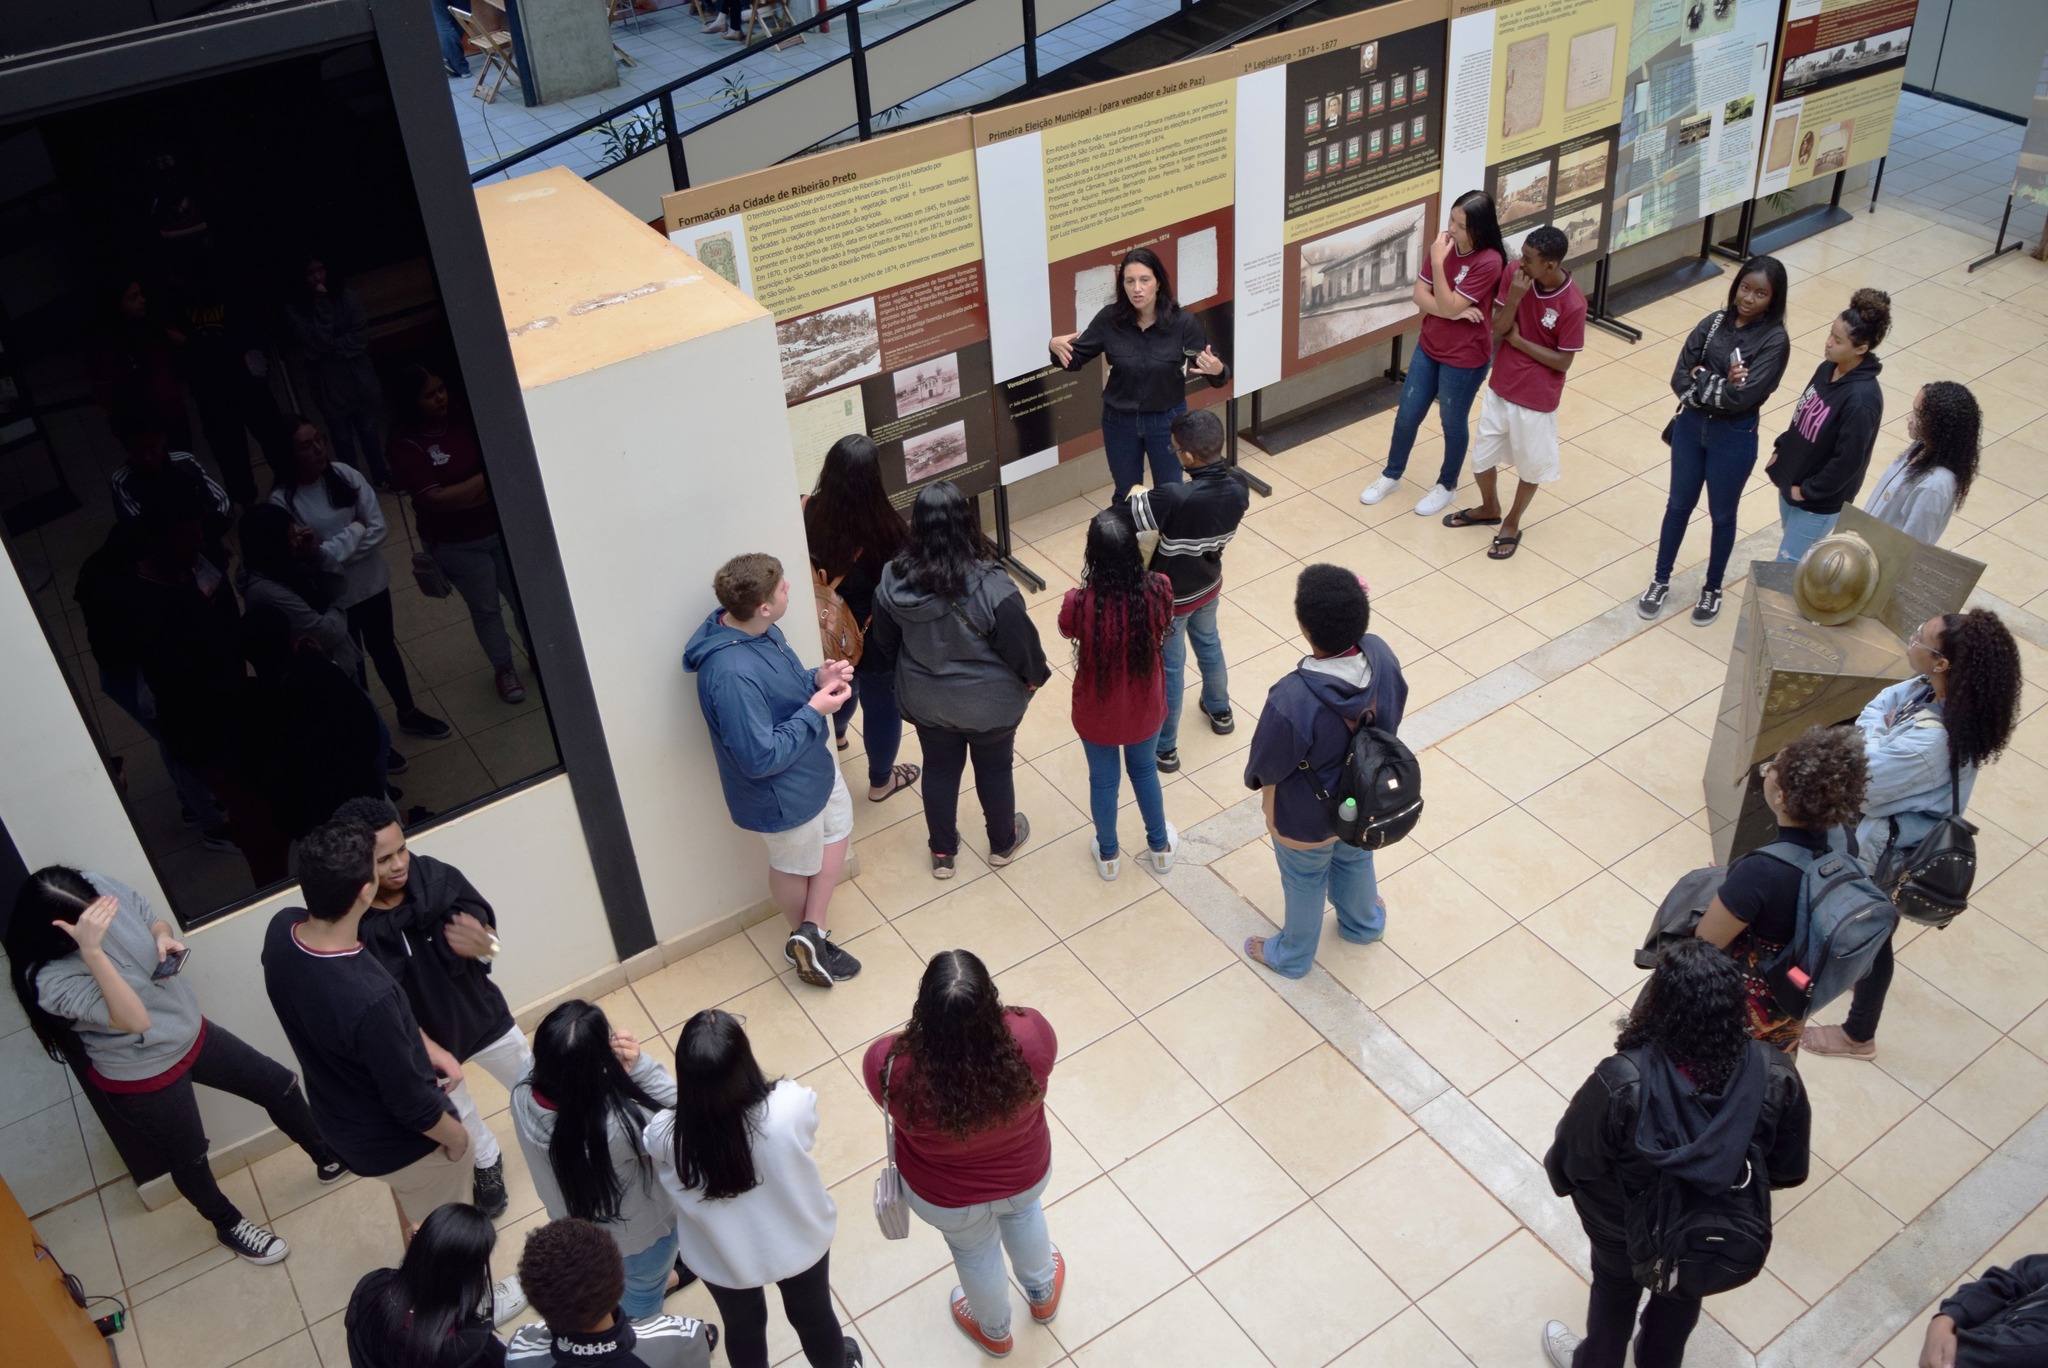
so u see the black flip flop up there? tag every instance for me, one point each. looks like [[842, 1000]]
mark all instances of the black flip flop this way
[[1511, 545], [1463, 518]]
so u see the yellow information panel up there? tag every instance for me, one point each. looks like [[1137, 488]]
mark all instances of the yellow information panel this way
[[1840, 66], [869, 257]]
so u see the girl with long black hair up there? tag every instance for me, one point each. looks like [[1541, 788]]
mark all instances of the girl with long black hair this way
[[1924, 742], [340, 509], [965, 1083], [89, 965], [1455, 291], [1154, 347], [1117, 620], [1727, 370], [734, 1155], [967, 660], [435, 1309], [1932, 476], [1686, 1094], [579, 1114], [853, 531]]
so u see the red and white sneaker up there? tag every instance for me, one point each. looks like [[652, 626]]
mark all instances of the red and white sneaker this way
[[963, 1317], [1044, 1311]]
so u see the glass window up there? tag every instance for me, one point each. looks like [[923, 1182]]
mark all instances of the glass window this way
[[239, 476]]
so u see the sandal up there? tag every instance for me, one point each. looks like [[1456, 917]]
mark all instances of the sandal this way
[[840, 742], [900, 778], [1504, 547], [1254, 949], [1468, 517]]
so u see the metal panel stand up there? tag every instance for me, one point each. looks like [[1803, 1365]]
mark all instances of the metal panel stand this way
[[1749, 242], [2001, 247], [1019, 571], [1258, 485], [1597, 312]]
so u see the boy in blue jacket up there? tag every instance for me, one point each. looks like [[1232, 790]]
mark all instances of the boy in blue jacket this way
[[1306, 726], [769, 728]]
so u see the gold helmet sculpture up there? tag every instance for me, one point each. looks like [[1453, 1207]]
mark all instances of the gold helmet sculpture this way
[[1836, 579]]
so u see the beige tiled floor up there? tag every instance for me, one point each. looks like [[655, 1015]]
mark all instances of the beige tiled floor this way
[[1229, 1187]]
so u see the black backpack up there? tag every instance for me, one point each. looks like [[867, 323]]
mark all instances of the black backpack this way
[[1695, 1243], [1930, 884], [1379, 789]]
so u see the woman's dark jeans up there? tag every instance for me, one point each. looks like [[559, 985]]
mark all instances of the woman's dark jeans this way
[[1719, 454]]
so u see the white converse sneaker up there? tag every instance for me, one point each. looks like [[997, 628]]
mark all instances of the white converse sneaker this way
[[1434, 502], [508, 1299], [1107, 869], [1559, 1343], [1162, 860], [1378, 489]]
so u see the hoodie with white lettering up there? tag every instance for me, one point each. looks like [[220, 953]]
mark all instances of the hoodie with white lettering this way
[[1825, 451]]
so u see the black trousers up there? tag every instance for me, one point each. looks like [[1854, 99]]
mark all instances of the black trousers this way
[[806, 1300], [945, 760], [1611, 1316], [233, 405], [1866, 1001], [170, 1116], [369, 623]]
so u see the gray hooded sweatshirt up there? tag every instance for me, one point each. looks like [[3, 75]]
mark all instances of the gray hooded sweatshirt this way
[[645, 1211], [966, 664]]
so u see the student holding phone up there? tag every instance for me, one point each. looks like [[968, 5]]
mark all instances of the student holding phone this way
[[89, 961]]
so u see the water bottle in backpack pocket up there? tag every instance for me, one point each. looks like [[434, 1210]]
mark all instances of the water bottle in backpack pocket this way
[[1378, 798]]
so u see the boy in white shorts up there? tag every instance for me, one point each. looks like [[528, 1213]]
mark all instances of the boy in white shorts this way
[[770, 729], [1542, 324]]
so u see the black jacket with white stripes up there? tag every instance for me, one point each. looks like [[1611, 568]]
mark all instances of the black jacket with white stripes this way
[[1195, 520]]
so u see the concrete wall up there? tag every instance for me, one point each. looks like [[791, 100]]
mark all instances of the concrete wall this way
[[568, 48], [1987, 52]]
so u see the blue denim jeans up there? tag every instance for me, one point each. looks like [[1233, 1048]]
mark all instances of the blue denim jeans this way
[[1452, 389], [1129, 438], [1802, 529], [1716, 454], [1200, 625], [1336, 873], [979, 1234], [881, 721], [450, 34], [647, 1278], [1141, 758]]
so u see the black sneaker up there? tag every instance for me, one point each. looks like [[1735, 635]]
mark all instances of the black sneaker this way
[[252, 1242], [487, 1190], [333, 1171], [853, 1358], [1223, 724], [942, 866], [807, 946], [1708, 608], [422, 724], [997, 859], [1652, 601], [1169, 761], [394, 763], [838, 963]]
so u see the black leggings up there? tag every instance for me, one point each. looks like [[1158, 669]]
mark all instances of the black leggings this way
[[169, 1117], [1611, 1316], [369, 622], [806, 1300], [945, 760], [1866, 1003]]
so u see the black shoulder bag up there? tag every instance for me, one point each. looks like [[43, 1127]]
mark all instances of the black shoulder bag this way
[[1931, 885], [1672, 422]]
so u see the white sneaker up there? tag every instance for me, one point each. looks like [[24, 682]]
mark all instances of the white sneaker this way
[[1378, 489], [1559, 1343], [1434, 502], [1162, 860], [508, 1299], [1108, 869]]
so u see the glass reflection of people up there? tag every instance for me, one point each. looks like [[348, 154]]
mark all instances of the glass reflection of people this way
[[311, 739], [133, 363], [155, 472], [283, 568], [341, 509], [853, 532], [327, 320], [221, 354], [1152, 344], [435, 459]]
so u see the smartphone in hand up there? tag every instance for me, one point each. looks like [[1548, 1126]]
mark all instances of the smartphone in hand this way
[[169, 965]]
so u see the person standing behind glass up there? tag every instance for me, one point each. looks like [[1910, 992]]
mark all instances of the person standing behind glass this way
[[342, 510], [326, 318], [1932, 477], [1819, 461], [1152, 344], [853, 531], [1456, 295]]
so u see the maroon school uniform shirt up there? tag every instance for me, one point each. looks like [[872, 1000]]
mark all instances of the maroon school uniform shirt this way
[[1556, 320], [420, 463], [1475, 275], [988, 1165], [1132, 710]]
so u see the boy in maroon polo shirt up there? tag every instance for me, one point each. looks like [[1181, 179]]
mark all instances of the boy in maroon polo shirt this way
[[1542, 321]]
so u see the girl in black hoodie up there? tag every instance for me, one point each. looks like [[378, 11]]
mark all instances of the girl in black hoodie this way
[[1820, 460]]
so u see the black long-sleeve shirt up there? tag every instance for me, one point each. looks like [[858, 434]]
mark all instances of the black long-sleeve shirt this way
[[1765, 350], [1147, 366], [2002, 1318]]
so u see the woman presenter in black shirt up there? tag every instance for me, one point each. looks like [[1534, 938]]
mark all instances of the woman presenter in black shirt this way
[[1152, 344]]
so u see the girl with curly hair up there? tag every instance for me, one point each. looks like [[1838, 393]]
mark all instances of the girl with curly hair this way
[[1932, 476], [1815, 782], [1959, 710], [1117, 621], [1819, 460], [1688, 1094], [964, 1084]]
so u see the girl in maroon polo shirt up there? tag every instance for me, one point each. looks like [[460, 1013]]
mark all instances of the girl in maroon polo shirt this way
[[965, 1085]]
